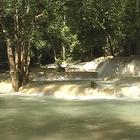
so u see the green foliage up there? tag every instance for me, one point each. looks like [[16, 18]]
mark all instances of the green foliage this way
[[132, 22], [73, 29]]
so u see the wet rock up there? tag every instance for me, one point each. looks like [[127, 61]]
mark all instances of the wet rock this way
[[93, 84]]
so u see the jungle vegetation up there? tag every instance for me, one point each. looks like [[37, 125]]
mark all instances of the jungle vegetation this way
[[37, 32]]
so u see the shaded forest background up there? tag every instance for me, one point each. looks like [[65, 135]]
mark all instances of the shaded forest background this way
[[79, 30], [38, 32]]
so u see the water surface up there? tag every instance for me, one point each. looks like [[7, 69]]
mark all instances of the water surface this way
[[46, 118]]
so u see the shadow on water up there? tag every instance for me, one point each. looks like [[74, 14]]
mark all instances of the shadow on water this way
[[51, 119]]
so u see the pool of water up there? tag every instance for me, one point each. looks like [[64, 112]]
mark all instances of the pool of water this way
[[47, 118]]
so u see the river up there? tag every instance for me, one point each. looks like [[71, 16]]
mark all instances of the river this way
[[49, 118]]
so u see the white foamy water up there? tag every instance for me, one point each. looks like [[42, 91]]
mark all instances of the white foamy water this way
[[121, 66], [119, 77]]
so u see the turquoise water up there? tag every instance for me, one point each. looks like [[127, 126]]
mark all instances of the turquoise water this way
[[46, 118]]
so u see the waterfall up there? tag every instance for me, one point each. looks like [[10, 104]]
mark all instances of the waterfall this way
[[113, 77], [120, 67]]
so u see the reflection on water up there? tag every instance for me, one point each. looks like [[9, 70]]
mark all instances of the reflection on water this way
[[45, 118]]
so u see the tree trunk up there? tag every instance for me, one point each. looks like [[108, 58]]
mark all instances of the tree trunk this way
[[109, 50], [19, 60], [63, 53], [13, 71], [25, 59]]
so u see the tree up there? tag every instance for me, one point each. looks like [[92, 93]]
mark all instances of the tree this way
[[131, 21], [98, 23], [56, 35], [18, 21]]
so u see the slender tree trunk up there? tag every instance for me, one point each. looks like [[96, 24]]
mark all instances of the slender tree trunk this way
[[63, 53], [55, 57], [25, 60], [12, 64]]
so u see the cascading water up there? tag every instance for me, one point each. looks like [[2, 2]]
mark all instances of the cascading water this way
[[113, 77], [120, 67]]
